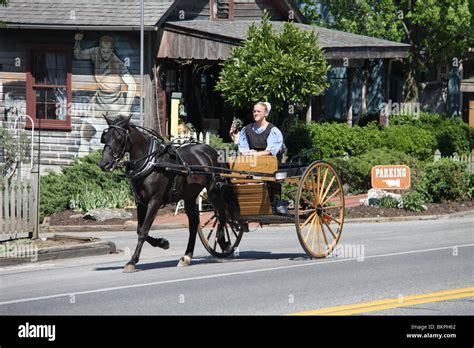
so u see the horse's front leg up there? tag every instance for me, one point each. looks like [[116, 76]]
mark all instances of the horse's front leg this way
[[192, 211], [143, 229], [154, 242]]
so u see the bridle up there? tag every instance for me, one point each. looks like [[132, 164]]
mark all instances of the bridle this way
[[156, 148], [116, 157]]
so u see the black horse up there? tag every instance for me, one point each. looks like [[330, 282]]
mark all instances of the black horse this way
[[154, 186]]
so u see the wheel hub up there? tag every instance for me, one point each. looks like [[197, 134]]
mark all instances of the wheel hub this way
[[319, 209]]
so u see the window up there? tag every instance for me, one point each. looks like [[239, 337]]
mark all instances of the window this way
[[49, 88], [222, 9]]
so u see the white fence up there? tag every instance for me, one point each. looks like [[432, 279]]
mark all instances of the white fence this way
[[18, 206], [468, 159], [201, 137], [18, 185]]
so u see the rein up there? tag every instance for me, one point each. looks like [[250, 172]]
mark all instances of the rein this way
[[156, 148]]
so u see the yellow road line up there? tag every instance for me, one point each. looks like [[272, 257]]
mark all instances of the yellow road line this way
[[392, 303]]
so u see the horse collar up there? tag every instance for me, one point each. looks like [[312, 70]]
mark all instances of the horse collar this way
[[148, 165]]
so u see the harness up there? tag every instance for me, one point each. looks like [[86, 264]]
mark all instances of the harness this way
[[149, 161], [144, 166]]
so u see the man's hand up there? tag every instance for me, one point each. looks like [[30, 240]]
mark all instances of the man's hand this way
[[79, 36]]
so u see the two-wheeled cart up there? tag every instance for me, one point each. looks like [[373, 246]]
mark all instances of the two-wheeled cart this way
[[310, 196]]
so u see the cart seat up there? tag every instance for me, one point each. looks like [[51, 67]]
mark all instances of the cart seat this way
[[256, 164], [294, 170]]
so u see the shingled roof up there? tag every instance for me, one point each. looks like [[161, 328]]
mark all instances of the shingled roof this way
[[333, 42], [82, 13]]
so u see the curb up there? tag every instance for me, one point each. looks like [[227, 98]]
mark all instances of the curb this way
[[63, 252], [160, 227], [107, 228], [411, 218]]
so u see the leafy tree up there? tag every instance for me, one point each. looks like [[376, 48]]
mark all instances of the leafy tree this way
[[437, 30], [5, 4], [283, 68]]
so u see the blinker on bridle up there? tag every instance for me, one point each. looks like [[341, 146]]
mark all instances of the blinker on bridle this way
[[116, 157]]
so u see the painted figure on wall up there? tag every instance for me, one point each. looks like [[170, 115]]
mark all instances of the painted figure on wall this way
[[111, 75], [116, 87]]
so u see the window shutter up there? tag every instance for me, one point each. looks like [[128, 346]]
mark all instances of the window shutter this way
[[222, 9]]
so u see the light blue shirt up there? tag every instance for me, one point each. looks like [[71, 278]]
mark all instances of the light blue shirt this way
[[274, 140]]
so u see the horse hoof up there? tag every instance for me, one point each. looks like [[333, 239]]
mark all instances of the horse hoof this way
[[164, 244], [129, 269], [184, 261]]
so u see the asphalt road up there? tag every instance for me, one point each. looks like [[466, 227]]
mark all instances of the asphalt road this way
[[409, 268]]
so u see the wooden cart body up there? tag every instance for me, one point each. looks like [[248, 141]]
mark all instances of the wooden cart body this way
[[318, 204]]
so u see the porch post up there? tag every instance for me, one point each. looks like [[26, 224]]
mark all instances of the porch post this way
[[350, 74], [309, 112], [142, 35]]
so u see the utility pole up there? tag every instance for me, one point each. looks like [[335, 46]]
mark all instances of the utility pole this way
[[142, 36]]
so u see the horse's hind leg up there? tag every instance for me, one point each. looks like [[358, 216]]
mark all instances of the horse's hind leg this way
[[143, 230], [192, 211]]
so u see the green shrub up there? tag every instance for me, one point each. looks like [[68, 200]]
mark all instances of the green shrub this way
[[417, 136], [412, 140], [451, 134], [57, 190], [388, 202], [469, 177], [356, 170], [413, 201], [218, 143], [54, 194], [334, 139], [444, 180], [471, 138], [94, 197], [424, 120]]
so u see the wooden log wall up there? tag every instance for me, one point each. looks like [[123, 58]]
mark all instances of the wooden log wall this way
[[59, 147]]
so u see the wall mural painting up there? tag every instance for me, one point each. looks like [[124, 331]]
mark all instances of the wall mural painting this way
[[116, 89]]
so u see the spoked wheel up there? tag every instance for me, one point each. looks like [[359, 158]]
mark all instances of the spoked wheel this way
[[319, 212], [220, 239]]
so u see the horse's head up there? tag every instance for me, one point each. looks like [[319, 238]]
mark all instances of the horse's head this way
[[116, 141]]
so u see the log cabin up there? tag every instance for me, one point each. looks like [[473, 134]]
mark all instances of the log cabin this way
[[65, 63]]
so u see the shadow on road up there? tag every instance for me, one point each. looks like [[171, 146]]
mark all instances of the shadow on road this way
[[242, 257], [267, 255]]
